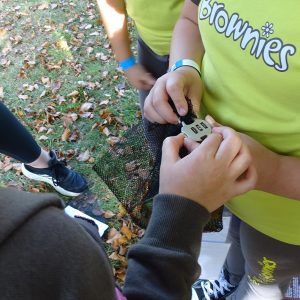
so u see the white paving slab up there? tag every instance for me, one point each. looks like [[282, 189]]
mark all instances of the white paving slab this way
[[213, 252], [211, 259]]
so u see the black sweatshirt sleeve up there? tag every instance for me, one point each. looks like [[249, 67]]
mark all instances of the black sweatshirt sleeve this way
[[196, 2], [163, 265]]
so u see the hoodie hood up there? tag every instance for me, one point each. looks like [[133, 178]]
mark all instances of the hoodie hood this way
[[14, 213]]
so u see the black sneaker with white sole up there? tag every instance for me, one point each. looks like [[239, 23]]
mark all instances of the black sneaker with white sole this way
[[214, 289], [64, 180]]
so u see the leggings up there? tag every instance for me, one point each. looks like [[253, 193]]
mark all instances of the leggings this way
[[262, 266], [15, 140], [155, 64]]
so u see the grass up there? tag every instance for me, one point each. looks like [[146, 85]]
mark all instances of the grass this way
[[65, 42], [55, 59]]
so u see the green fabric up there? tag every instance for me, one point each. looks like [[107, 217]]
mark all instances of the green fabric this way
[[254, 88], [155, 21]]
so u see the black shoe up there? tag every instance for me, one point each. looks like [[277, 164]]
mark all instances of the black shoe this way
[[64, 180], [214, 289]]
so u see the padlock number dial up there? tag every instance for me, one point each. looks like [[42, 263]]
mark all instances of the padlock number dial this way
[[197, 131]]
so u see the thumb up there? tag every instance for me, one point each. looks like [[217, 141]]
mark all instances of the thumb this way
[[211, 121], [171, 148]]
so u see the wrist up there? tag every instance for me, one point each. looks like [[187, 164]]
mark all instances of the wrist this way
[[267, 174], [186, 63], [127, 63]]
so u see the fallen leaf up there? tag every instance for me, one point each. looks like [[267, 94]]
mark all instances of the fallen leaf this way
[[84, 156], [43, 138], [88, 26], [66, 134], [86, 107], [95, 33], [106, 131], [43, 6], [43, 94], [73, 94], [45, 80], [42, 129], [33, 189], [74, 137], [109, 214], [91, 160], [127, 232], [89, 50]]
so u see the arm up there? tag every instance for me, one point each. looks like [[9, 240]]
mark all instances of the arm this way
[[277, 174], [185, 81], [163, 265], [186, 41], [113, 13]]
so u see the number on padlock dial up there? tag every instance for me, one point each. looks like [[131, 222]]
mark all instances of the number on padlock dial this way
[[197, 131]]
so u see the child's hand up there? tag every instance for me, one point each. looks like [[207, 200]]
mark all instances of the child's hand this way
[[264, 160], [215, 171], [179, 84], [140, 78]]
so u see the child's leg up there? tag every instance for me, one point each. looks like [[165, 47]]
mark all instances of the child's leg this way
[[269, 266], [15, 140], [38, 164], [155, 64], [235, 262]]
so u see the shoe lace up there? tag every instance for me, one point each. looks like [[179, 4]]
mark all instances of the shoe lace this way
[[215, 288], [56, 167]]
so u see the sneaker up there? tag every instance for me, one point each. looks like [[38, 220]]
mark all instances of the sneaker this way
[[214, 289], [64, 180]]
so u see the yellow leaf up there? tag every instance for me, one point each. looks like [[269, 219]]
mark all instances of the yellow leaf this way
[[66, 134]]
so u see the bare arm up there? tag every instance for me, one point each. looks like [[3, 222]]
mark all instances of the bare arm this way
[[277, 174], [287, 178], [186, 41], [114, 16], [113, 13], [185, 81]]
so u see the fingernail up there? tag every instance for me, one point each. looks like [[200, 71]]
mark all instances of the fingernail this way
[[182, 111], [209, 119], [216, 129]]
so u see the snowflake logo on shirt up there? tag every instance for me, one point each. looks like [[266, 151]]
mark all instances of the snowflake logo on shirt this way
[[267, 29]]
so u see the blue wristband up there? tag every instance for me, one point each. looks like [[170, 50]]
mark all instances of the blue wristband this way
[[185, 62], [127, 63]]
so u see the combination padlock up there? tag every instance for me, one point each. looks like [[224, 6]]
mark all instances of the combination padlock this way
[[198, 130], [191, 127]]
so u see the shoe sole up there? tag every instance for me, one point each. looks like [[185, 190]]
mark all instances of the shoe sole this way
[[48, 179]]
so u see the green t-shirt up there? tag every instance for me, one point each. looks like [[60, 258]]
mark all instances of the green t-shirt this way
[[251, 71], [155, 21]]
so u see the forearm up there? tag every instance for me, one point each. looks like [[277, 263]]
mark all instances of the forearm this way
[[276, 174], [113, 13], [283, 177], [186, 41], [171, 245]]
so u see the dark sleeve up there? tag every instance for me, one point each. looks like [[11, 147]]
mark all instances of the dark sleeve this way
[[196, 2], [163, 265]]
